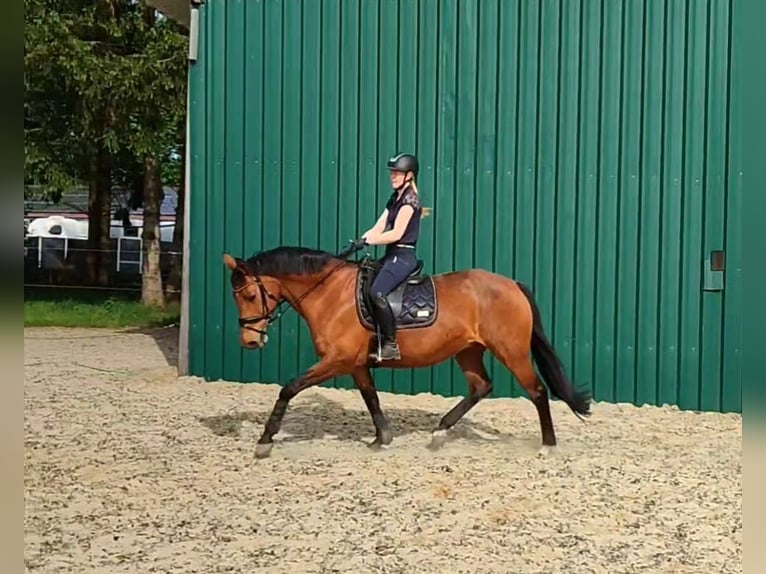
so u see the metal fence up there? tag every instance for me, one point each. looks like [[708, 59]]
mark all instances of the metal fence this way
[[65, 263]]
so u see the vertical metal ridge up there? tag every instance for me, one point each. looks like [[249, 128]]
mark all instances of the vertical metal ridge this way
[[545, 152], [659, 389], [491, 363], [263, 159], [535, 202], [682, 205], [427, 139], [360, 158], [339, 124], [517, 116], [705, 233], [504, 216], [455, 165], [694, 191], [597, 330], [555, 166], [233, 177], [567, 182], [216, 181], [646, 336], [310, 152], [445, 160], [378, 149], [637, 310], [496, 129], [283, 327], [726, 303], [575, 290], [620, 193], [299, 333], [709, 307], [476, 134], [731, 391], [669, 379], [292, 39]]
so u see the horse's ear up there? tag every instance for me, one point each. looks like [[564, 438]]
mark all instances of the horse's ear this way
[[230, 262]]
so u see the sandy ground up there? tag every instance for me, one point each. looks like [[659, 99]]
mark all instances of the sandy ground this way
[[131, 469]]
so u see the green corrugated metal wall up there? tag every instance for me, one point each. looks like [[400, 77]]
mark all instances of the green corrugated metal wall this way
[[583, 147]]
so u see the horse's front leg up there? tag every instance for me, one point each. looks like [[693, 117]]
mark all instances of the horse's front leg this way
[[365, 384], [315, 375]]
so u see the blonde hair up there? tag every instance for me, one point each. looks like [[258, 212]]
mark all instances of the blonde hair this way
[[425, 211]]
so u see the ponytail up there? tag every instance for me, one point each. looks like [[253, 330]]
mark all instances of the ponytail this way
[[424, 211]]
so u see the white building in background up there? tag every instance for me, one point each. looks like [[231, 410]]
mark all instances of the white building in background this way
[[60, 226], [51, 227]]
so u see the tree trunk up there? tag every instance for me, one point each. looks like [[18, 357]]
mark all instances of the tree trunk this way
[[151, 278], [99, 217], [176, 265]]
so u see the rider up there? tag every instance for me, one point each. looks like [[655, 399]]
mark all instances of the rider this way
[[397, 228]]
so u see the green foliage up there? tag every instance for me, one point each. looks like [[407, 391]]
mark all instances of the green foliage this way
[[112, 313], [100, 74]]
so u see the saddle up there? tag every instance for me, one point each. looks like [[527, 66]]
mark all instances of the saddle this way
[[413, 302]]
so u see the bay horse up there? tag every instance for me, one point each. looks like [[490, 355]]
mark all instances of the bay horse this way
[[459, 314]]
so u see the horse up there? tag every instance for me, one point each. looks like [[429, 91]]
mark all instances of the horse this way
[[458, 314]]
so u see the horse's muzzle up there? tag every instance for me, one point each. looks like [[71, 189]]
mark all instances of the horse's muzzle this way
[[256, 343]]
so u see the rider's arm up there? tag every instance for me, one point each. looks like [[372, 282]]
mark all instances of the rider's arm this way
[[393, 235], [379, 226]]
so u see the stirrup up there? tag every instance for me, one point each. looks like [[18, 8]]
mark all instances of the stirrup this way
[[392, 349]]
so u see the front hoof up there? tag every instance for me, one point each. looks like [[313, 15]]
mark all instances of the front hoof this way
[[438, 438], [263, 450], [546, 450], [383, 439], [375, 445], [385, 436]]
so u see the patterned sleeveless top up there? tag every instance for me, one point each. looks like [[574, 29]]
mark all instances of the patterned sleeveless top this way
[[412, 231]]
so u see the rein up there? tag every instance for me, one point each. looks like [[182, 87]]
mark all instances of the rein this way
[[272, 316]]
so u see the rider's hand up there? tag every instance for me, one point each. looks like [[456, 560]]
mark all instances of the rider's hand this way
[[360, 243], [354, 245]]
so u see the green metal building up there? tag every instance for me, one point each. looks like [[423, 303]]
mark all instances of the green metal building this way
[[583, 147]]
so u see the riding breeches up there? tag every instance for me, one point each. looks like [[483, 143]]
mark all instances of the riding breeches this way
[[397, 266]]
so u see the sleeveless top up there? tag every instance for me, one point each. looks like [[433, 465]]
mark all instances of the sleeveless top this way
[[412, 231]]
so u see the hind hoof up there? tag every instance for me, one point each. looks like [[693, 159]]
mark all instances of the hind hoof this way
[[438, 438], [263, 450]]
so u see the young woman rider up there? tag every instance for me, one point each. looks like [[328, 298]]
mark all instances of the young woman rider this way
[[398, 229]]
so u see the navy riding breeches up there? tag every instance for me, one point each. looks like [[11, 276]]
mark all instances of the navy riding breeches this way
[[397, 266]]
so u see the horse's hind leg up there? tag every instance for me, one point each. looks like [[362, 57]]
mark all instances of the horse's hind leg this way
[[519, 363], [471, 362]]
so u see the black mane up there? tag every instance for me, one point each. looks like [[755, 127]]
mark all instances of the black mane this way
[[287, 260]]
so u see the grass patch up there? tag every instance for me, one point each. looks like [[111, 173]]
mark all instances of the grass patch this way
[[112, 314]]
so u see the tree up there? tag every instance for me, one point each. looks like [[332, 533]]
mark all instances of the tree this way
[[70, 119], [105, 95], [157, 129]]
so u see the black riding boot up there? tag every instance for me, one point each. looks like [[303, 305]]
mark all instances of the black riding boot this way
[[384, 317]]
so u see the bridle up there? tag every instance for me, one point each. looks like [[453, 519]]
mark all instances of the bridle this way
[[271, 316]]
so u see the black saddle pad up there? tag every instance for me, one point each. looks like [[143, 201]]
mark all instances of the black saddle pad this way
[[414, 302]]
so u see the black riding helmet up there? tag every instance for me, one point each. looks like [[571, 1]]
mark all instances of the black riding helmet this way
[[404, 162]]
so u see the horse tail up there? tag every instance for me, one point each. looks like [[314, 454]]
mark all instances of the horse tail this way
[[550, 366]]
